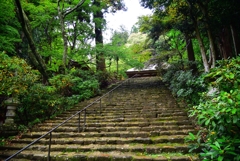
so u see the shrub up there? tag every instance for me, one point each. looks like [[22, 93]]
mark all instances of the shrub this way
[[37, 104], [184, 84], [37, 101], [63, 83], [219, 113], [15, 75], [78, 82], [86, 84]]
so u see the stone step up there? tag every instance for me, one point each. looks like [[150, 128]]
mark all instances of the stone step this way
[[119, 122], [141, 111], [14, 159], [142, 127], [129, 108], [104, 156], [118, 108], [121, 134], [140, 123], [105, 140], [125, 117], [130, 147]]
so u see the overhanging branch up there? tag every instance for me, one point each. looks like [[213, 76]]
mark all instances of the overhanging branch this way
[[72, 9]]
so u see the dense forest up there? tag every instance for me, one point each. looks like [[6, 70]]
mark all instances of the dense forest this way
[[53, 55]]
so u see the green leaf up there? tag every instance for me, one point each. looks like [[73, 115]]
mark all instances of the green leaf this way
[[238, 96], [230, 101], [207, 122], [220, 158], [214, 147], [228, 120], [219, 79], [235, 119], [210, 153], [213, 124], [192, 136], [231, 76], [217, 144], [234, 111]]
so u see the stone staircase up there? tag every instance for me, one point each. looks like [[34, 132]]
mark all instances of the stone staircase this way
[[140, 122]]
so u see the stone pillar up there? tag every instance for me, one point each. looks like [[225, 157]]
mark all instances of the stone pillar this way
[[11, 110]]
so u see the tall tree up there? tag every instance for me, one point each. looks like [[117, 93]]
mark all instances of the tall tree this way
[[99, 23], [212, 20], [194, 19], [34, 56], [62, 13], [100, 7], [48, 34], [161, 7], [204, 8]]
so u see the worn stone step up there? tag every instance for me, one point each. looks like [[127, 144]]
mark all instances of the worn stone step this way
[[131, 147], [104, 156], [120, 123], [130, 118], [126, 115], [130, 112], [129, 107], [125, 110], [144, 127], [106, 140], [140, 113], [122, 134], [14, 159]]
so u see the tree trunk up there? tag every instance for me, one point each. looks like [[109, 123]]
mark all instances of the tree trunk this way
[[117, 59], [65, 44], [61, 15], [64, 37], [212, 49], [226, 45], [203, 53], [235, 40], [190, 53], [35, 57], [200, 40], [210, 37], [100, 59], [180, 55]]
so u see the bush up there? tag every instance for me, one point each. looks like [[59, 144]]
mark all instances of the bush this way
[[15, 75], [37, 101], [37, 104], [63, 84], [78, 82], [219, 113], [40, 102], [184, 84], [87, 86]]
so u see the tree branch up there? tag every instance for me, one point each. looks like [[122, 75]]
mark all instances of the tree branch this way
[[72, 9]]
